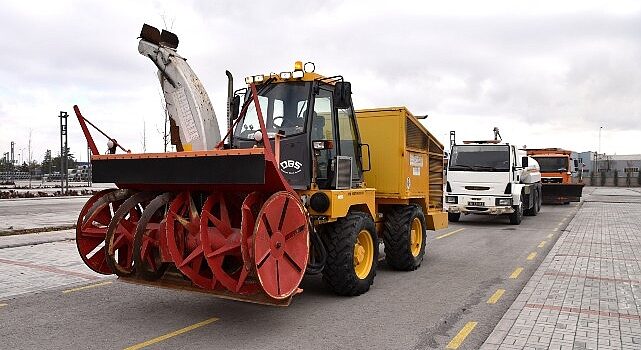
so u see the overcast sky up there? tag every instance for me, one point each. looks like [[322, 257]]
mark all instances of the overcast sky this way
[[547, 73]]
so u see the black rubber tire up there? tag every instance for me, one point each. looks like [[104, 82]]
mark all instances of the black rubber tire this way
[[517, 216], [540, 202], [453, 217], [396, 235], [340, 238], [532, 211]]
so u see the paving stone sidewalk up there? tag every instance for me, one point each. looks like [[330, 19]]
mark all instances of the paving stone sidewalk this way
[[38, 262], [587, 292]]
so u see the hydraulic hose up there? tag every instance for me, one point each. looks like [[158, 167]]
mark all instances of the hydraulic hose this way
[[318, 254]]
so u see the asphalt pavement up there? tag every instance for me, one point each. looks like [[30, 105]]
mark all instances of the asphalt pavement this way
[[466, 268], [21, 214]]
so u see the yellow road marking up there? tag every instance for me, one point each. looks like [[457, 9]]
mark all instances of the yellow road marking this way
[[496, 296], [550, 235], [542, 244], [461, 335], [172, 334], [450, 233], [560, 223], [531, 256], [86, 287], [516, 273], [1, 305], [555, 229]]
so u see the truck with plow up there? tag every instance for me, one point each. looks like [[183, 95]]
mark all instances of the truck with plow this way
[[559, 175], [299, 184]]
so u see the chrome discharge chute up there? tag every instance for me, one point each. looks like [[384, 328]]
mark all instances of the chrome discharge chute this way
[[193, 122]]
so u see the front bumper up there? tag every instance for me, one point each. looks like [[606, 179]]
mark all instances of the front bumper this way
[[488, 206]]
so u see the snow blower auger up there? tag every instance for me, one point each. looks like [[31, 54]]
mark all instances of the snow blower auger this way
[[281, 195]]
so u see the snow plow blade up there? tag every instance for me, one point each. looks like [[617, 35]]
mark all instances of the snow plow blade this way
[[561, 193]]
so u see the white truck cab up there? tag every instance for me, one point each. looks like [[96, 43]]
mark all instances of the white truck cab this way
[[492, 178]]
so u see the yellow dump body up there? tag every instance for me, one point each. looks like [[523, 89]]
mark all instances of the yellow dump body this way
[[406, 161]]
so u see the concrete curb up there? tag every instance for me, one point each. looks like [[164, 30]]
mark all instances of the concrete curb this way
[[36, 230], [41, 198], [24, 244]]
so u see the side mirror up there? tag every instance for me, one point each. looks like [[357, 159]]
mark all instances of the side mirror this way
[[342, 96], [525, 162], [234, 107]]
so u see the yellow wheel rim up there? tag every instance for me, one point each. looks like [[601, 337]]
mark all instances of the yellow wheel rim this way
[[363, 254], [416, 237]]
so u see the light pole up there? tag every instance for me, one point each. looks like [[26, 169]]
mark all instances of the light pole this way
[[599, 150]]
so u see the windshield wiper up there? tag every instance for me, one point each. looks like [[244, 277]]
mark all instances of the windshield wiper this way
[[483, 167], [460, 167]]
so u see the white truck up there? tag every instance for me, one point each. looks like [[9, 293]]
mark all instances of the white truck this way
[[492, 178]]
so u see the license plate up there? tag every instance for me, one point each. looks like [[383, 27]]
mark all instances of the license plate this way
[[476, 204]]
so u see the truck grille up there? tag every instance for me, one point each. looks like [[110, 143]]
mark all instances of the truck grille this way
[[477, 188]]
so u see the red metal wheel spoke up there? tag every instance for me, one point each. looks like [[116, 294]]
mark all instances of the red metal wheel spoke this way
[[294, 222], [295, 233], [147, 239], [150, 261], [298, 266], [98, 258], [180, 219], [241, 280], [283, 214], [144, 247], [119, 240], [224, 249], [128, 227], [224, 213], [193, 212], [268, 227], [194, 254], [152, 226], [227, 230], [198, 262], [269, 268], [94, 232], [263, 258]]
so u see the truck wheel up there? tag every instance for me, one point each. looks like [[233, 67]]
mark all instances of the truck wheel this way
[[453, 217], [532, 211], [539, 202], [404, 236], [352, 254], [517, 216]]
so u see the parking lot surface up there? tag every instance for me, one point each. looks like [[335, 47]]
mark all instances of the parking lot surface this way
[[471, 274]]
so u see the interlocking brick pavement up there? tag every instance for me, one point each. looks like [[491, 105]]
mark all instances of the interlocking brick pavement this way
[[33, 266], [587, 292]]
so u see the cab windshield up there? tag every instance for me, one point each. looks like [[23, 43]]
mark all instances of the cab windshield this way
[[284, 108], [552, 164], [480, 158]]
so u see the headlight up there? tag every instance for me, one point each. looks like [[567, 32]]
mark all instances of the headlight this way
[[249, 80], [451, 199], [285, 75], [259, 78], [504, 201], [298, 74]]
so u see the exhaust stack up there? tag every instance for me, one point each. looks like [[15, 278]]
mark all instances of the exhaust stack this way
[[194, 126]]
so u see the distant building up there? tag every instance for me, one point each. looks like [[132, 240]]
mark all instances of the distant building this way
[[623, 163]]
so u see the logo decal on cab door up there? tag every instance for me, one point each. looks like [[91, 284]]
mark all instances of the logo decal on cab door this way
[[291, 167]]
